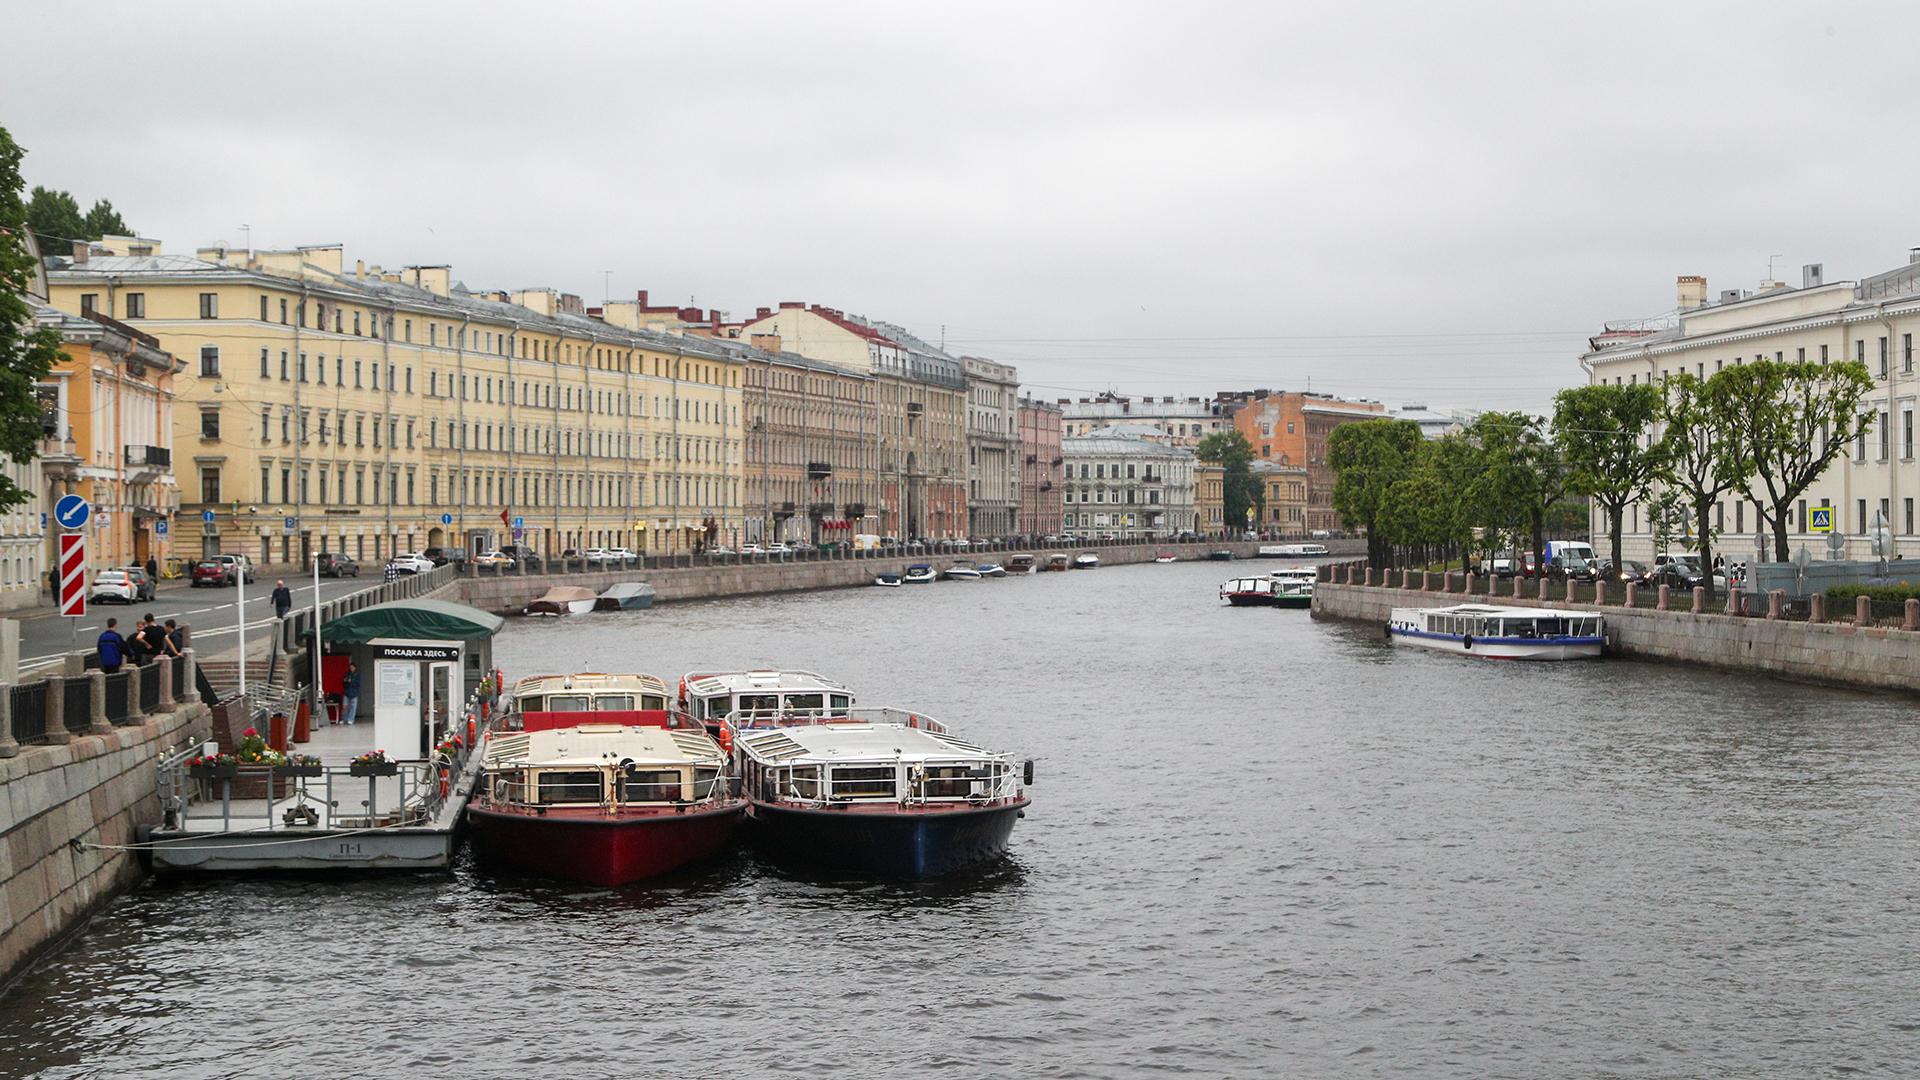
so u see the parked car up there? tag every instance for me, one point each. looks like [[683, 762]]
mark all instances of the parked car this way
[[238, 566], [1683, 574], [495, 560], [441, 556], [114, 585], [410, 562], [752, 549], [142, 584], [337, 564], [522, 555], [779, 548], [1571, 568], [211, 572], [621, 557], [1320, 534], [1629, 570]]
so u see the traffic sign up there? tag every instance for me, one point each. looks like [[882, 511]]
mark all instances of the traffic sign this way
[[206, 516], [519, 534], [73, 573], [102, 519], [160, 527], [446, 519], [293, 524], [71, 511], [518, 524], [1820, 519]]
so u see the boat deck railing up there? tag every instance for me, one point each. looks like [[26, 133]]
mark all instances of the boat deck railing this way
[[975, 782], [505, 790], [765, 719]]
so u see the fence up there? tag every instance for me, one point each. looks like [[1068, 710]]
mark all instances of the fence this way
[[28, 707], [120, 698], [34, 716], [150, 688]]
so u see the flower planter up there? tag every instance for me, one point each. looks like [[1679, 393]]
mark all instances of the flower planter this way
[[314, 769], [374, 768], [213, 772]]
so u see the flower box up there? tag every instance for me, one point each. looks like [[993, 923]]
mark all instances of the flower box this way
[[313, 769], [374, 768], [213, 772]]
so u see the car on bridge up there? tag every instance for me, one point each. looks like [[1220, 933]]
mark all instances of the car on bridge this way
[[337, 564], [408, 562], [114, 585]]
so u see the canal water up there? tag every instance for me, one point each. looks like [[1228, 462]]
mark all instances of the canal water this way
[[1259, 846]]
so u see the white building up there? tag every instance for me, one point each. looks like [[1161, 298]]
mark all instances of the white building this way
[[1126, 486], [993, 445], [1183, 421], [1873, 321]]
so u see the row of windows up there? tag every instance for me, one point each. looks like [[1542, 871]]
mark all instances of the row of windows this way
[[1099, 495]]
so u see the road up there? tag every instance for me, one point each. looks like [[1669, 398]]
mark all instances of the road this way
[[44, 639]]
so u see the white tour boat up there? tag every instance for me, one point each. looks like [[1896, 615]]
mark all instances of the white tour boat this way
[[1291, 551], [1293, 587], [1500, 633], [753, 696]]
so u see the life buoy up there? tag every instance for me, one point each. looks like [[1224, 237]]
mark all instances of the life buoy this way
[[1467, 642], [443, 783], [725, 739]]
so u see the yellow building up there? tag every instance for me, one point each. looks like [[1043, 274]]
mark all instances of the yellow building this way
[[1285, 490], [372, 411], [1209, 498], [110, 405]]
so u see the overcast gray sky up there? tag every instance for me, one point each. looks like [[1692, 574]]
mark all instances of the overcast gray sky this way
[[1417, 201]]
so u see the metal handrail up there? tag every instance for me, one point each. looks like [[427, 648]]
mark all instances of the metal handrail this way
[[766, 719]]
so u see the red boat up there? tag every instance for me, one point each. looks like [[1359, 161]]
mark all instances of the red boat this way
[[594, 779]]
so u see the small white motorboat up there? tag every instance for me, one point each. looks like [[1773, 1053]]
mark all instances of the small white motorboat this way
[[887, 581], [991, 569], [625, 596], [563, 600], [1086, 560], [962, 572], [1163, 557], [1022, 564], [919, 574]]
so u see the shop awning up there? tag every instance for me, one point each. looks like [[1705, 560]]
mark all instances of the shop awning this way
[[428, 620]]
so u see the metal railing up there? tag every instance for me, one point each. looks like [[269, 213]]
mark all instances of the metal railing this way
[[407, 798], [955, 781], [506, 790], [28, 707], [77, 706], [149, 697], [765, 719], [298, 625]]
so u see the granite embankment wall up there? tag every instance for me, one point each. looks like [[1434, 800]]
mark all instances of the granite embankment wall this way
[[511, 592], [1835, 653], [91, 788]]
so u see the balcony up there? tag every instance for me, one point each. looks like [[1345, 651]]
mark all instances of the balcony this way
[[819, 470], [820, 510], [1151, 479], [153, 457], [855, 511]]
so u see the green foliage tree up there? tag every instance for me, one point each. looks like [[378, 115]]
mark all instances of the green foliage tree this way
[[1701, 457], [104, 220], [27, 353], [1240, 489], [1522, 474], [1603, 432], [1794, 418], [1367, 459], [1667, 518], [56, 220]]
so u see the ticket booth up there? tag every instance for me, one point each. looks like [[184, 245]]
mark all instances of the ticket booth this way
[[417, 688]]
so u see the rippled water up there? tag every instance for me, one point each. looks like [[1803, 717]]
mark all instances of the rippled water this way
[[1259, 846]]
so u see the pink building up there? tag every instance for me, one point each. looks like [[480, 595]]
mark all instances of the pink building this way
[[1041, 468]]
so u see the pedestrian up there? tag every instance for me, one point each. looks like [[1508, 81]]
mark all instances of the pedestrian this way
[[176, 638], [135, 643], [350, 694], [154, 638], [153, 569], [112, 648], [282, 599]]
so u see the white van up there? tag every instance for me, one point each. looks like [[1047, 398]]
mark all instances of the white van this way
[[1566, 550], [866, 542]]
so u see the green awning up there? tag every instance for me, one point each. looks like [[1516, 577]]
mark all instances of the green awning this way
[[420, 620]]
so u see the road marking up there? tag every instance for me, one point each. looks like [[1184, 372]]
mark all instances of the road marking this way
[[198, 611]]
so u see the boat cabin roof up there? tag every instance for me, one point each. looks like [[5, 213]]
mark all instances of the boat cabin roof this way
[[589, 681], [1248, 584], [834, 742], [714, 683], [1497, 611], [597, 745]]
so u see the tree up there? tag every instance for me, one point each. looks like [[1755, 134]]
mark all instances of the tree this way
[[1701, 457], [1522, 474], [1368, 458], [1602, 430], [1240, 489], [1667, 518], [57, 222], [27, 354], [104, 220], [1795, 418]]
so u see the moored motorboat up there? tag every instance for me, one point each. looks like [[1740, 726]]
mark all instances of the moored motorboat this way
[[625, 596], [593, 779], [709, 697], [919, 574], [1249, 592], [1293, 587], [1222, 555], [962, 571], [991, 569], [1086, 560], [876, 792], [563, 600], [1058, 562], [1500, 633], [888, 581], [1021, 564], [1163, 556]]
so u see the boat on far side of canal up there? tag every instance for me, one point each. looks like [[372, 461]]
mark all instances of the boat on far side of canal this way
[[1022, 563], [991, 569], [1500, 633], [1058, 562], [962, 571], [887, 580], [563, 600], [1086, 560], [1293, 587], [625, 596], [1249, 592], [1163, 557], [920, 574]]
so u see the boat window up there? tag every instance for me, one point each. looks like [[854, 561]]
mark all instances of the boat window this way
[[806, 702], [651, 785], [704, 782], [613, 702], [652, 701], [863, 782], [842, 702], [806, 781], [759, 704], [567, 703], [570, 787], [533, 704], [949, 782]]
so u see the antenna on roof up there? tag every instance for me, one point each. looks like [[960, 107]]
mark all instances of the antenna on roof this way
[[1770, 259]]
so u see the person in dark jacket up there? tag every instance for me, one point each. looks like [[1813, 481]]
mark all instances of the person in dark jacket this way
[[112, 648], [282, 599], [350, 694], [153, 637], [175, 637], [135, 644], [153, 569]]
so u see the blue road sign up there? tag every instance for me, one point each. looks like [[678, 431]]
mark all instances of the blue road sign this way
[[160, 527], [446, 519], [292, 524], [206, 516], [71, 511], [518, 524], [1820, 519]]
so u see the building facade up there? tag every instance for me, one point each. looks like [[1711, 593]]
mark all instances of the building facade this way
[[1284, 489], [812, 442], [111, 400], [1183, 421], [993, 446], [1210, 498], [1290, 428], [372, 411], [1127, 487], [1042, 468], [1873, 320]]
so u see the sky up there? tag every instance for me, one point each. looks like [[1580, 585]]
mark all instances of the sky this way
[[1416, 202]]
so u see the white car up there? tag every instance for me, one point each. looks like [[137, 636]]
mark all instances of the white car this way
[[752, 549], [621, 556], [778, 548], [114, 585], [410, 562], [594, 556]]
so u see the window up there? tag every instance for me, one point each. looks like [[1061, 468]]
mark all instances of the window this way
[[210, 488], [1906, 354], [1861, 506], [263, 308], [570, 787], [303, 367], [1906, 434], [1802, 519], [356, 374], [1909, 508], [209, 305], [283, 365], [1823, 354], [409, 378], [1886, 435], [136, 305], [283, 312], [1740, 516], [210, 361], [88, 301], [264, 368]]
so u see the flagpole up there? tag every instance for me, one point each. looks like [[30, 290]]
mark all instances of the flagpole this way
[[316, 638], [240, 606]]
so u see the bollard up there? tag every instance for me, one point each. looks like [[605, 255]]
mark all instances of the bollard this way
[[1633, 592], [1699, 599], [1817, 608], [277, 732], [1469, 587], [1543, 588], [97, 689], [1733, 601], [1569, 590], [1775, 598], [1664, 599], [303, 721], [1426, 580], [189, 680], [1862, 611], [1446, 581], [1600, 593], [8, 746], [1912, 619], [1369, 578]]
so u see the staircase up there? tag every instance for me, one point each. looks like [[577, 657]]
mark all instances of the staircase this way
[[224, 675]]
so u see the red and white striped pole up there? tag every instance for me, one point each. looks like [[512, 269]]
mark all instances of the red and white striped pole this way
[[73, 574]]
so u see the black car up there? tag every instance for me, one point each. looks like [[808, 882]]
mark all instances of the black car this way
[[441, 556], [338, 564], [1677, 574], [522, 555]]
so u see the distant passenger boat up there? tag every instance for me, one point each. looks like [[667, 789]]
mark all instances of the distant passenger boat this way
[[1020, 564], [563, 600], [1249, 592], [919, 574], [1500, 633], [1086, 560], [1293, 587], [1291, 551], [625, 596]]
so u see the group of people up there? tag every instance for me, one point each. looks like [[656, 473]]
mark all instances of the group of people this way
[[149, 640]]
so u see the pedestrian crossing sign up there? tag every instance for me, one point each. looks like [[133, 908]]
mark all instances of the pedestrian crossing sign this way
[[1820, 519]]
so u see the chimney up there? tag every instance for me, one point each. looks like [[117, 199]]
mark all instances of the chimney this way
[[763, 313], [640, 298], [360, 269], [785, 304], [1729, 296], [80, 249], [1814, 275], [766, 342], [1691, 290]]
